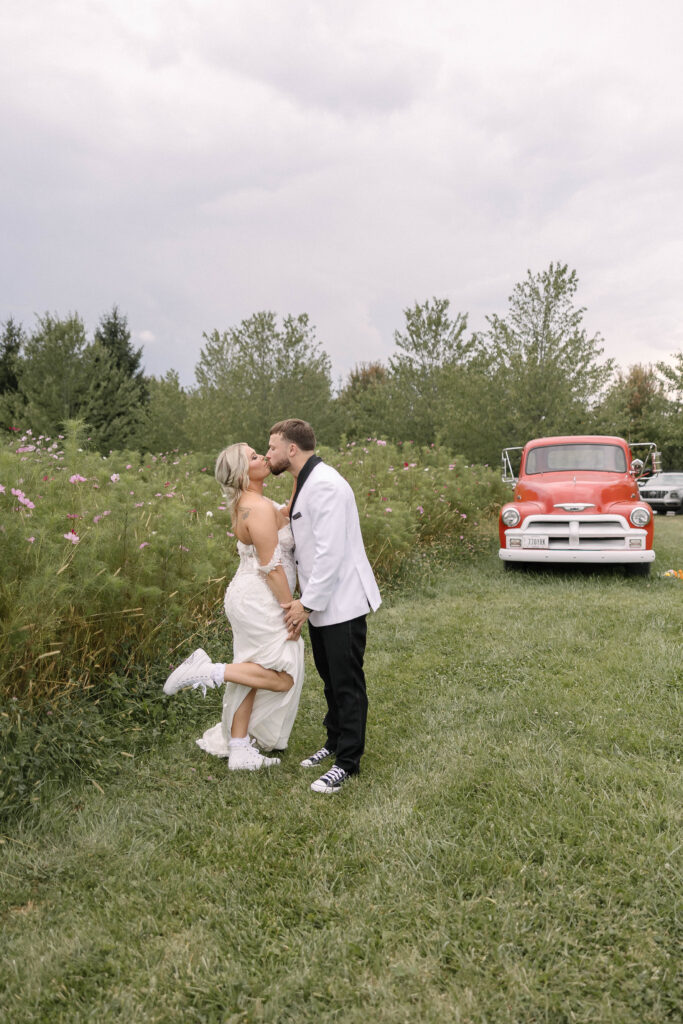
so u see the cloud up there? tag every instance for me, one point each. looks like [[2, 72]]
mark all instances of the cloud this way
[[196, 161]]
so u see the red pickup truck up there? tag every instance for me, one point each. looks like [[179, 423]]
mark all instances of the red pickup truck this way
[[576, 501]]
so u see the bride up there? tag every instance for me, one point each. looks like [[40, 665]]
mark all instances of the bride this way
[[263, 683]]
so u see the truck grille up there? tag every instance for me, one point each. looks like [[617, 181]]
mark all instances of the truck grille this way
[[588, 533], [652, 494]]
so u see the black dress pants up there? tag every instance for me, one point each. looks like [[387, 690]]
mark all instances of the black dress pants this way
[[338, 653]]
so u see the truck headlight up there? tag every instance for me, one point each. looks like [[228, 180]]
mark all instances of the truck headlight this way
[[640, 516], [675, 494], [511, 517]]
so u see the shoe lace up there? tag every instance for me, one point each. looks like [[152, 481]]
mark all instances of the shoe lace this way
[[335, 774]]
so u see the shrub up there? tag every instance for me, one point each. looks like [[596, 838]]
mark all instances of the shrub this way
[[107, 559]]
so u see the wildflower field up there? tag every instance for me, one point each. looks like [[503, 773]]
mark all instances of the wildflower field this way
[[108, 560]]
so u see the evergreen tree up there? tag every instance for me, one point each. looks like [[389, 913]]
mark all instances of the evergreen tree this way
[[53, 377], [114, 405], [113, 334], [12, 401], [13, 338], [112, 408]]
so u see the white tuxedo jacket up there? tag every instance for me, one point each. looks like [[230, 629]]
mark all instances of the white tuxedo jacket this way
[[335, 576]]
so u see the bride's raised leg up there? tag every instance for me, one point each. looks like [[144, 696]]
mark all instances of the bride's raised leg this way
[[248, 673]]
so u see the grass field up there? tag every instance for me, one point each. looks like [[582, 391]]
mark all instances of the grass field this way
[[511, 852]]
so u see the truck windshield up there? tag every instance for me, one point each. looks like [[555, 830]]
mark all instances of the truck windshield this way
[[558, 458]]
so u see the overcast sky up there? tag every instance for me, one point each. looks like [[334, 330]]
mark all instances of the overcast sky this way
[[196, 161]]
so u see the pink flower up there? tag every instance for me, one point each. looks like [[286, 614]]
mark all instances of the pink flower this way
[[2, 489], [387, 510], [77, 479], [30, 539], [145, 544], [183, 548], [420, 510], [26, 448], [115, 478], [73, 537]]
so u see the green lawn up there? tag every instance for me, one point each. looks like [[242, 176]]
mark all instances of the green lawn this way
[[511, 852]]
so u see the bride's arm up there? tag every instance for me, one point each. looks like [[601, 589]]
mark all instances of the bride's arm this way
[[261, 525]]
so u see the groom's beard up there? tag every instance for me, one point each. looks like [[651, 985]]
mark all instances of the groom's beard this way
[[277, 469]]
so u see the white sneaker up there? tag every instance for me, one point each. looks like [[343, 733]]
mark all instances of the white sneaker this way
[[247, 758], [194, 671]]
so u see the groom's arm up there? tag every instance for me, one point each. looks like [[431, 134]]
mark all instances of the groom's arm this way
[[327, 518]]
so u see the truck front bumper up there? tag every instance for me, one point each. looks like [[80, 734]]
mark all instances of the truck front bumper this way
[[587, 557]]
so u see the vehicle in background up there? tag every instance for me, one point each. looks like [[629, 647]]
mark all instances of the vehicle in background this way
[[664, 492], [576, 501]]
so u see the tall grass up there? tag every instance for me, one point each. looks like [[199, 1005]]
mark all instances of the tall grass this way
[[106, 560]]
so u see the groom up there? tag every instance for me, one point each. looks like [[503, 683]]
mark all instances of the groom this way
[[337, 590]]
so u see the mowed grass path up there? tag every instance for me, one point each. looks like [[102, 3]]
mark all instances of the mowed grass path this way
[[511, 853]]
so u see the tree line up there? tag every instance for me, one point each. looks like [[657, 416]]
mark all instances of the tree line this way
[[533, 372]]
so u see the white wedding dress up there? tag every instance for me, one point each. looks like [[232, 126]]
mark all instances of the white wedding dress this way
[[260, 635]]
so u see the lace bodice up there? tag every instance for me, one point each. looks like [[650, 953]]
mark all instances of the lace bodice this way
[[283, 555]]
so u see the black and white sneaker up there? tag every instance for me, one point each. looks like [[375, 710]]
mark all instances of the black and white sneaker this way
[[314, 760], [332, 781]]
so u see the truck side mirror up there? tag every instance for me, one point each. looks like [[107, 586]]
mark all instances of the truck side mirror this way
[[637, 467]]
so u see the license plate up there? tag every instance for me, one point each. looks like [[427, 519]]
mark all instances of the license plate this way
[[534, 542]]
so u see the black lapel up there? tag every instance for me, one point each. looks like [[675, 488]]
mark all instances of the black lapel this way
[[303, 476]]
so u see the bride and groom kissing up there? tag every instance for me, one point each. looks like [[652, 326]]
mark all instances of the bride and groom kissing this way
[[315, 539]]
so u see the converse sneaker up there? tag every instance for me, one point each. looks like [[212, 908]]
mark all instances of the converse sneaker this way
[[314, 760], [246, 757], [194, 671], [332, 781]]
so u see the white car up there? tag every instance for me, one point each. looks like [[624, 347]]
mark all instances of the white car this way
[[663, 492]]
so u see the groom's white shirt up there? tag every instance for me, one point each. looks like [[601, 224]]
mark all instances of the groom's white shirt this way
[[335, 576]]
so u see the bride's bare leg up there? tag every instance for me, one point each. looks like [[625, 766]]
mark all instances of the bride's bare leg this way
[[240, 720], [248, 673]]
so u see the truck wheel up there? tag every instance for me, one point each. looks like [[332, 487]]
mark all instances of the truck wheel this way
[[639, 569]]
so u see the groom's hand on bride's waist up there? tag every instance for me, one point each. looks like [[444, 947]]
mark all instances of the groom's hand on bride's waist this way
[[295, 617]]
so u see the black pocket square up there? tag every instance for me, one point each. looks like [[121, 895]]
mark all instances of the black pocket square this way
[[297, 515]]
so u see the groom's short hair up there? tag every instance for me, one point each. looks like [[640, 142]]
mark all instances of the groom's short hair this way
[[297, 432]]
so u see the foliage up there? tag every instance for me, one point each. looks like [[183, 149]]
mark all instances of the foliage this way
[[53, 373], [13, 338], [252, 375], [114, 403], [546, 371], [167, 413], [431, 352], [59, 375], [365, 402], [106, 559]]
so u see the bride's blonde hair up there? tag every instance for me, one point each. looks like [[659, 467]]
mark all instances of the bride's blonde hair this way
[[232, 473]]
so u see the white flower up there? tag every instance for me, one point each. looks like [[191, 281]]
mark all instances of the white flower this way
[[209, 515]]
